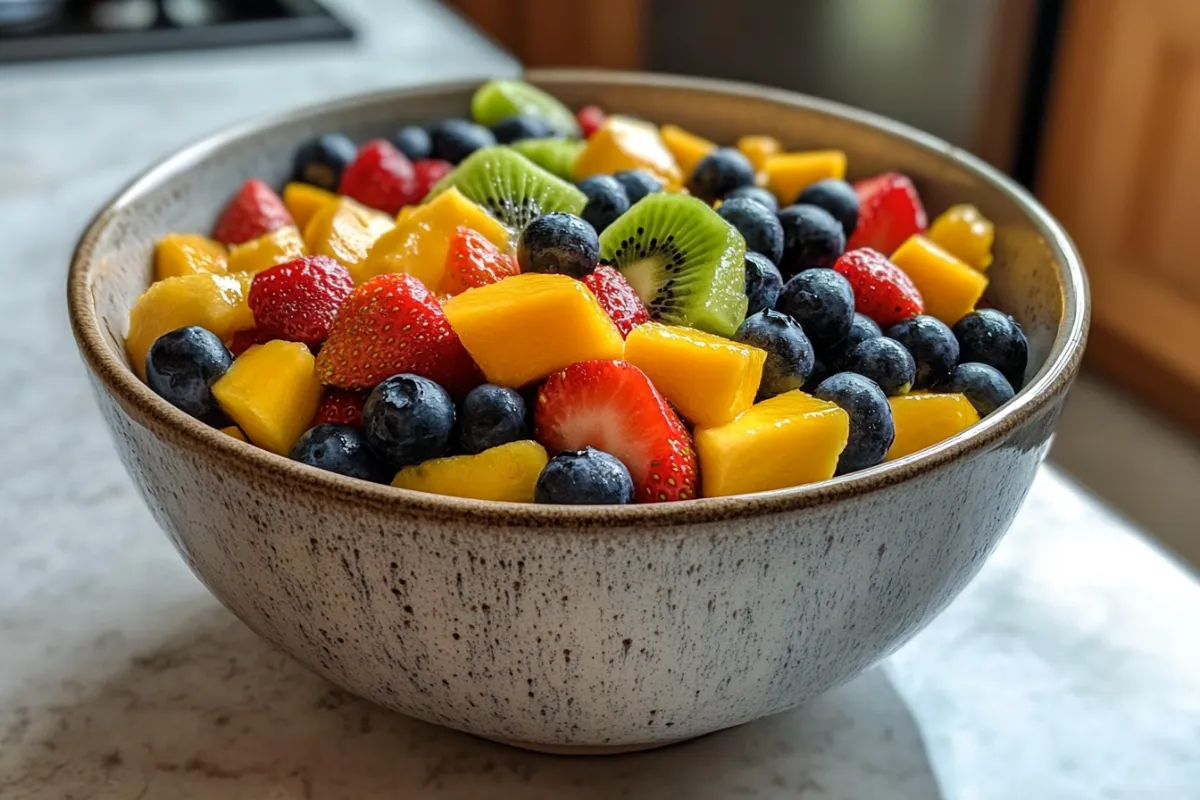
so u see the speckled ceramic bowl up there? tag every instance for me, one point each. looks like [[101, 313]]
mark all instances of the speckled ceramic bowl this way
[[592, 629]]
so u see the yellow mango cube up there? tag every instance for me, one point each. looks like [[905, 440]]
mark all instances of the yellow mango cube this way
[[923, 419], [215, 302], [506, 474], [525, 327], [420, 240], [235, 432], [966, 234], [708, 378], [188, 254], [788, 174], [345, 231], [277, 247], [949, 287], [687, 148], [623, 143], [272, 393], [789, 440], [757, 149], [303, 201]]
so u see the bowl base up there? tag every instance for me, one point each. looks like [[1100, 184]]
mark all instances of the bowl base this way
[[585, 749]]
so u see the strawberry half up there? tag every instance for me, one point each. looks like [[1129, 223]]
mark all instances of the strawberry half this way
[[590, 119], [299, 300], [393, 324], [473, 261], [613, 406], [889, 211], [881, 289], [428, 171], [381, 178], [341, 407], [244, 340], [253, 212], [617, 298]]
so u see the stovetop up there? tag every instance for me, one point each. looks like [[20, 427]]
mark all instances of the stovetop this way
[[32, 30]]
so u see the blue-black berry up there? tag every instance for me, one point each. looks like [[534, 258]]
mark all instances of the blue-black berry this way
[[342, 449], [182, 365], [408, 419], [606, 200], [757, 194], [872, 429], [758, 225], [321, 161], [862, 328], [414, 142], [820, 371], [584, 477], [984, 385], [886, 362], [638, 183], [932, 346], [811, 238], [489, 417], [455, 139], [763, 283], [521, 126], [789, 353], [835, 196], [988, 336], [559, 243], [719, 173], [822, 301]]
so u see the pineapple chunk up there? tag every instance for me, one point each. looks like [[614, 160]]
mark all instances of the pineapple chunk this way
[[966, 234], [277, 247], [272, 393], [949, 287], [188, 254], [687, 148], [789, 440], [304, 200], [923, 419], [525, 327], [789, 173], [709, 379], [623, 143], [345, 230], [507, 474]]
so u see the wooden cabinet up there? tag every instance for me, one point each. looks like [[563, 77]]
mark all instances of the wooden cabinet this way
[[1121, 168]]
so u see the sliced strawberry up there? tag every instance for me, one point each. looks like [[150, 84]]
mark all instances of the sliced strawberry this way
[[254, 211], [381, 178], [393, 324], [341, 407], [244, 340], [613, 406], [889, 211], [881, 289], [617, 298], [298, 301], [429, 171], [473, 261], [590, 118]]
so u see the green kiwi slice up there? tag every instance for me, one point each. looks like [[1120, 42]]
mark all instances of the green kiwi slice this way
[[554, 155], [510, 186], [686, 263], [502, 98]]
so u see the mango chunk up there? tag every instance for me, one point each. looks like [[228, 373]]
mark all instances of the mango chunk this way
[[277, 247], [789, 173], [215, 302], [235, 432], [419, 242], [272, 393], [923, 419], [687, 148], [949, 287], [303, 201], [525, 327], [789, 440], [188, 254], [708, 378], [623, 143], [758, 149], [506, 474], [966, 234], [345, 230]]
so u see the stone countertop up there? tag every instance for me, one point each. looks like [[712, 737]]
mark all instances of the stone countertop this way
[[1067, 669]]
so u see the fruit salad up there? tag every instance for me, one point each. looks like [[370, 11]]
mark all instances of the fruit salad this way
[[547, 306]]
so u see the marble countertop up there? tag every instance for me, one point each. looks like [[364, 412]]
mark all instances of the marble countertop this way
[[1068, 669]]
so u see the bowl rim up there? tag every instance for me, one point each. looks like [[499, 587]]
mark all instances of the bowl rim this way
[[151, 411]]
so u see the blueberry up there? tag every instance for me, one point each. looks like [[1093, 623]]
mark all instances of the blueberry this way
[[811, 238], [638, 183], [886, 362], [584, 477], [992, 337], [932, 346], [521, 126], [755, 193], [182, 365], [455, 139], [321, 161], [821, 370], [414, 141], [872, 430], [606, 200], [862, 328], [489, 417], [822, 302], [408, 419], [341, 449], [984, 385], [719, 173], [836, 197], [789, 353], [763, 283], [559, 243], [758, 225]]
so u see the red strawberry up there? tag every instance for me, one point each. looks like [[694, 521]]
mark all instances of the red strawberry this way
[[244, 340], [393, 324], [881, 289], [298, 301], [889, 211], [473, 261], [617, 298], [341, 407], [429, 171], [381, 178], [254, 211], [590, 118], [613, 406]]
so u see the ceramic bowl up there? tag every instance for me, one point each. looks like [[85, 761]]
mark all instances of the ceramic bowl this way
[[583, 629]]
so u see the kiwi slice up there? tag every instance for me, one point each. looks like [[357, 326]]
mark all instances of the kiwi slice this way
[[510, 186], [555, 155], [502, 98], [686, 263]]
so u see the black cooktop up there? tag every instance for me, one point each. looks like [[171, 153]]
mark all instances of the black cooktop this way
[[34, 30]]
